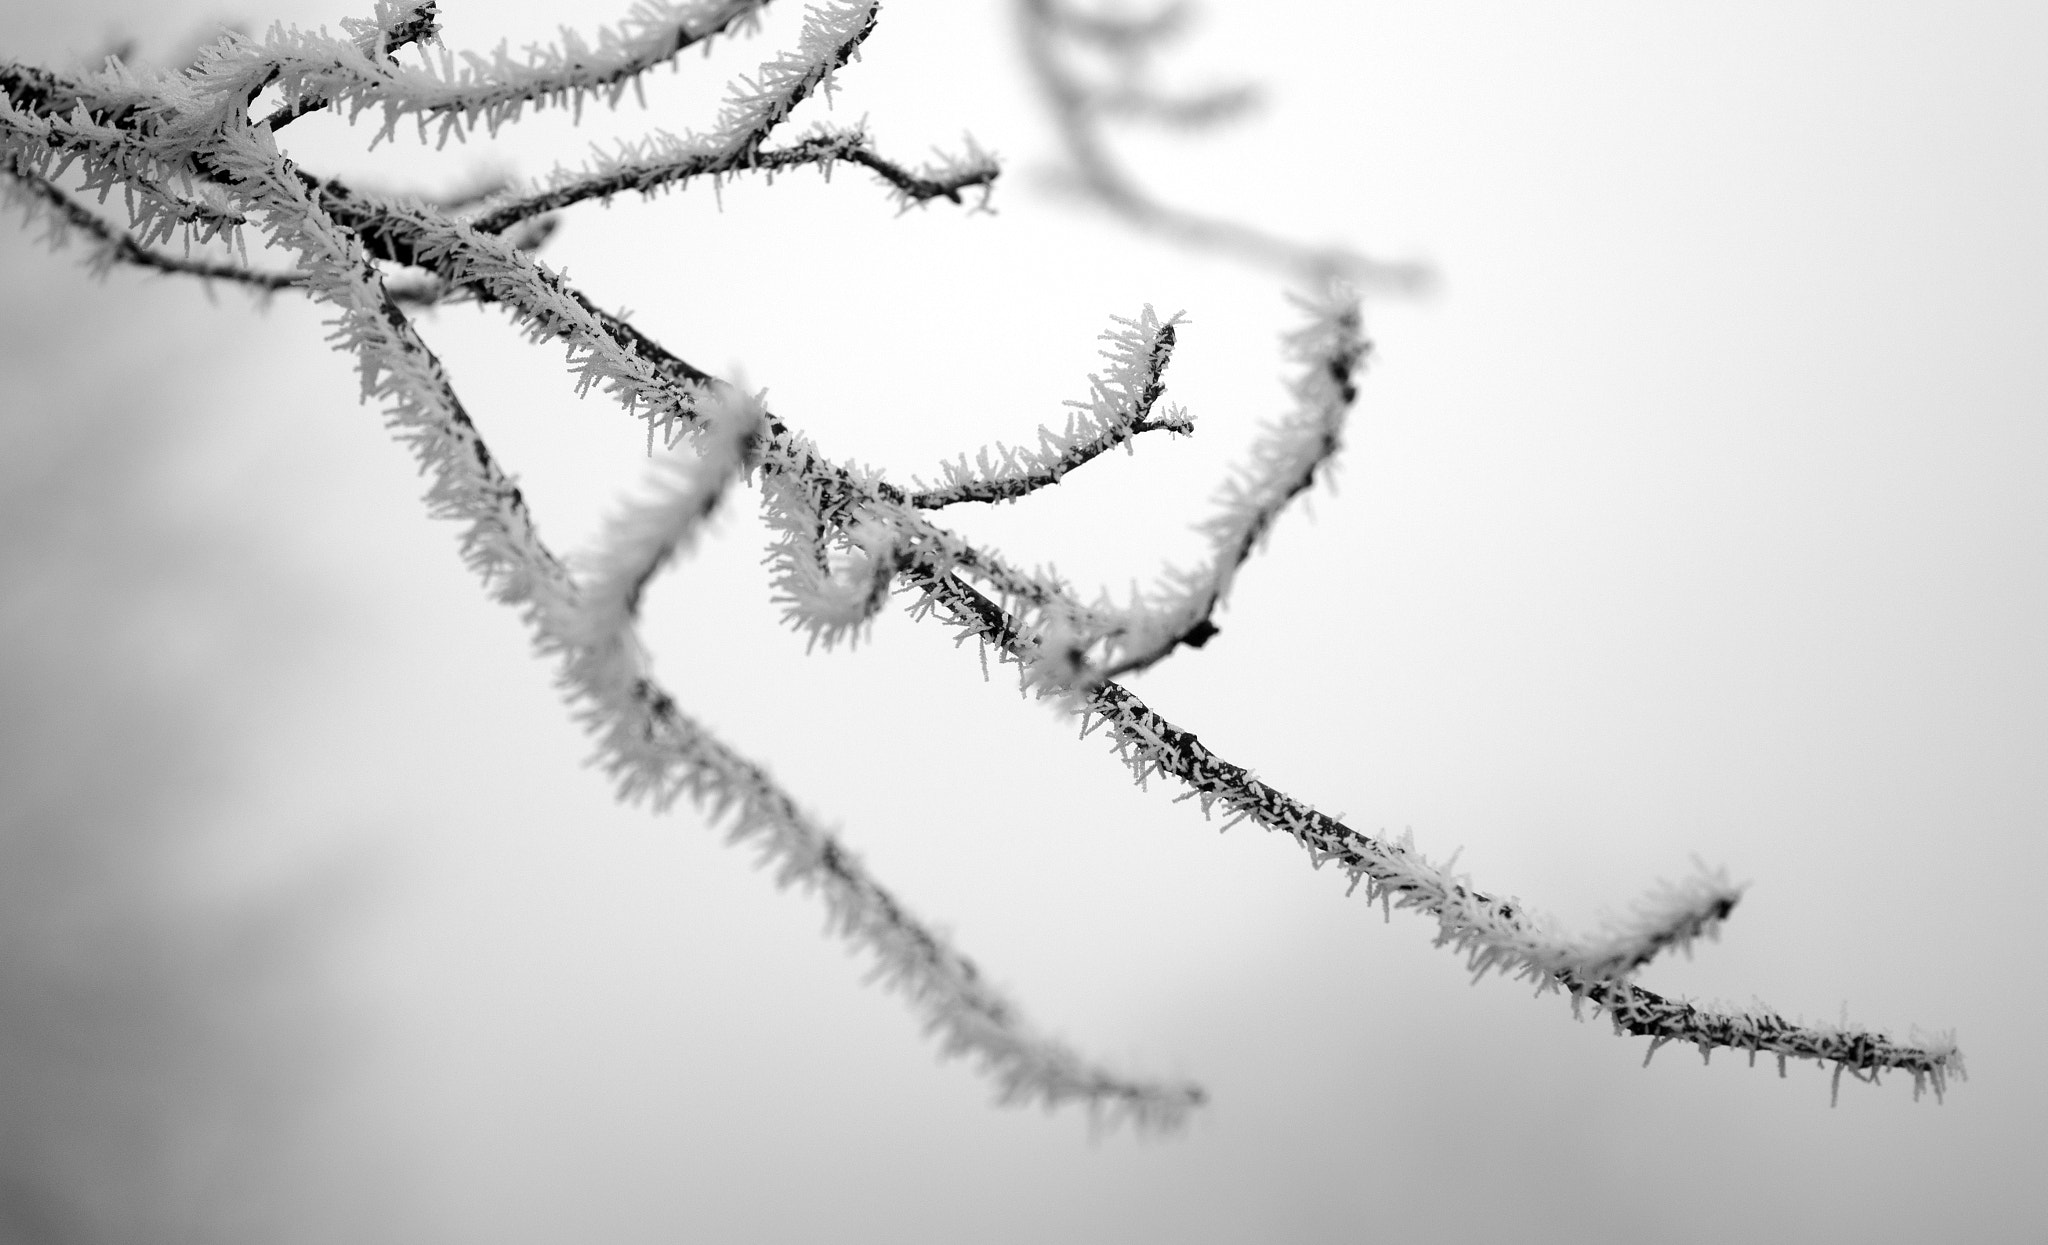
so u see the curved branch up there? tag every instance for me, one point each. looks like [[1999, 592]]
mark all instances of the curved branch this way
[[655, 751], [497, 89], [647, 172], [1119, 409], [1079, 108], [1493, 933], [118, 246]]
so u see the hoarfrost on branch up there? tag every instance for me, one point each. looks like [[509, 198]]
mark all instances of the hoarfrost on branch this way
[[192, 163]]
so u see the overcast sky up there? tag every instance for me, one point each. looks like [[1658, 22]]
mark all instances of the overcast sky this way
[[1698, 512]]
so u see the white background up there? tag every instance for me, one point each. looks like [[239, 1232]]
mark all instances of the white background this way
[[1699, 511]]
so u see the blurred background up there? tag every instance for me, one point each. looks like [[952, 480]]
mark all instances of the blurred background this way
[[1698, 511]]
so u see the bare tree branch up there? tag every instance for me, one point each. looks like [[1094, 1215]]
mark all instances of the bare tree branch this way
[[188, 162]]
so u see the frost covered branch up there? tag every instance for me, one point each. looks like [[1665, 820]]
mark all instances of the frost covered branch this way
[[1494, 934], [1118, 409], [189, 162], [113, 246], [666, 163]]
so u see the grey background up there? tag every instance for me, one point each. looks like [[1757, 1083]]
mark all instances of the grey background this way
[[1698, 512]]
